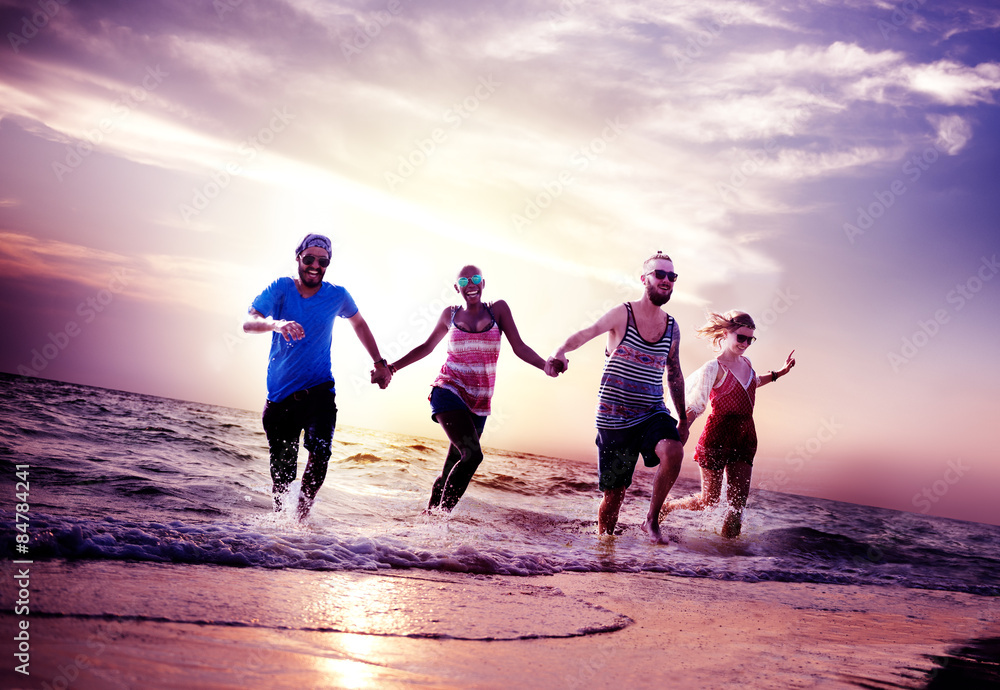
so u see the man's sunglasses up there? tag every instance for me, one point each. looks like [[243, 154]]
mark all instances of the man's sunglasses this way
[[745, 338], [661, 274], [308, 260], [476, 280]]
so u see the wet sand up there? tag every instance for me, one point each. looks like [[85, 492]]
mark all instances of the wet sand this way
[[120, 625]]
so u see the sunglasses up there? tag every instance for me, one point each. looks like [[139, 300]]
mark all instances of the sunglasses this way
[[476, 280], [308, 260], [745, 338], [661, 274]]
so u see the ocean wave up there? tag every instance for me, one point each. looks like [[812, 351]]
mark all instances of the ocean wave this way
[[127, 477], [277, 543]]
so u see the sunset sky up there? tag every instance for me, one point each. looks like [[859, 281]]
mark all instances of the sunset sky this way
[[829, 167]]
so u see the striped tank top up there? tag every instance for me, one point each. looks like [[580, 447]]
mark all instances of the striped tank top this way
[[470, 369], [632, 383]]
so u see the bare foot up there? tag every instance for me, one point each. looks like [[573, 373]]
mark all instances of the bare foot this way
[[732, 525], [302, 510], [652, 529], [692, 502]]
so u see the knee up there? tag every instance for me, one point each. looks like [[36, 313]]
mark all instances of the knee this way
[[320, 447], [472, 456], [671, 453]]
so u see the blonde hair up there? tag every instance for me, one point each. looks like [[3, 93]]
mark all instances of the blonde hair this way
[[658, 255], [719, 326]]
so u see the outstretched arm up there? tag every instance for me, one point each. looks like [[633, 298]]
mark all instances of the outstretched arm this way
[[506, 321], [382, 374], [614, 320], [258, 323], [773, 376], [425, 348], [675, 381]]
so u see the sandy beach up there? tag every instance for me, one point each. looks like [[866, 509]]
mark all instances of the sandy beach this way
[[138, 625]]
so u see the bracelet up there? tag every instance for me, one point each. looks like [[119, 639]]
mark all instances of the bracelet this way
[[774, 377], [382, 362], [392, 369]]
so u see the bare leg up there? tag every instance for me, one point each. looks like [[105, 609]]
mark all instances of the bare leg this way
[[737, 491], [711, 489], [454, 455], [463, 459], [607, 514], [670, 454]]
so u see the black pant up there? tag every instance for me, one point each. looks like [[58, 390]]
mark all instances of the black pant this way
[[314, 411]]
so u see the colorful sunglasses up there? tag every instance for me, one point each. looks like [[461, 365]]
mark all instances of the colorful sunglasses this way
[[476, 280]]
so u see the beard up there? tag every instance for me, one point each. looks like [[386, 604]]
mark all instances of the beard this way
[[310, 280], [657, 298]]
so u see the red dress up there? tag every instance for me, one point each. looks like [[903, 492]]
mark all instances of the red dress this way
[[729, 434]]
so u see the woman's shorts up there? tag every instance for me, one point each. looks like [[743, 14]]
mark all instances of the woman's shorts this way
[[443, 400]]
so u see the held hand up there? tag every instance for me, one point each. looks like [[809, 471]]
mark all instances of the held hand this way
[[382, 376], [684, 430], [556, 365], [290, 330]]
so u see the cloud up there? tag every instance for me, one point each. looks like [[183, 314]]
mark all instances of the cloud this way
[[953, 132], [952, 83], [166, 280], [30, 259]]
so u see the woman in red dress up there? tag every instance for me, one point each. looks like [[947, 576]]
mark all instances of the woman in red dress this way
[[729, 440]]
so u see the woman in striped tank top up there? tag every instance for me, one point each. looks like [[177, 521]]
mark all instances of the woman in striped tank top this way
[[729, 440], [461, 394]]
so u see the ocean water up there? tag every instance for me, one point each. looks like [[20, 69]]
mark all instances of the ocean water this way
[[123, 477]]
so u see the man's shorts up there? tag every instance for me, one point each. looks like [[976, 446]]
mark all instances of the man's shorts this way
[[619, 449], [443, 400]]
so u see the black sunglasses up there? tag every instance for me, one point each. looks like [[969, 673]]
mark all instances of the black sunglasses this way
[[661, 274], [745, 338], [308, 260]]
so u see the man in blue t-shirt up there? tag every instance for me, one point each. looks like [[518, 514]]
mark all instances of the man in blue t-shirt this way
[[299, 312]]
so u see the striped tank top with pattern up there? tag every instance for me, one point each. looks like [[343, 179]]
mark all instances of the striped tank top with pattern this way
[[632, 383], [470, 369]]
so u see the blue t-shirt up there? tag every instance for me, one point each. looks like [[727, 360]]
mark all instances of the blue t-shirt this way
[[297, 364]]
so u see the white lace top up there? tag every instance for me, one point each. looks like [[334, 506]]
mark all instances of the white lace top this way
[[698, 387]]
